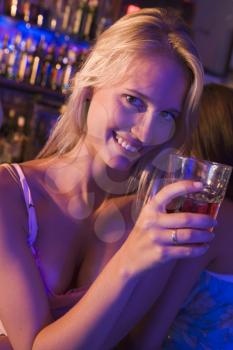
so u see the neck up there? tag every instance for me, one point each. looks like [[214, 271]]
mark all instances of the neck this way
[[81, 173]]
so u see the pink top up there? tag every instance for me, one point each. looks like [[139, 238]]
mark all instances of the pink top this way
[[60, 303]]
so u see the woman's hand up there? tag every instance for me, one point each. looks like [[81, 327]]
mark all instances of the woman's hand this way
[[158, 236]]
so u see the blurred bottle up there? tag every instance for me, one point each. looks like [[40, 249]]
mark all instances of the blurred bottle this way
[[66, 15], [18, 140], [7, 136], [26, 8], [37, 62], [58, 68], [26, 59], [12, 120], [4, 53], [13, 57], [78, 17], [69, 70], [12, 8], [47, 66], [55, 20], [43, 14], [90, 21], [5, 146]]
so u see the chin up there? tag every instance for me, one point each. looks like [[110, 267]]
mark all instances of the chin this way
[[119, 164]]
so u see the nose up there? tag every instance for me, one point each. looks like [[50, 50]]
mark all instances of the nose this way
[[143, 129]]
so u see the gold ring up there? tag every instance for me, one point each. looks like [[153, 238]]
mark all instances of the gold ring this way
[[174, 236]]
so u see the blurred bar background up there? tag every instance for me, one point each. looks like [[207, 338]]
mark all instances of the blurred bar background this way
[[43, 43]]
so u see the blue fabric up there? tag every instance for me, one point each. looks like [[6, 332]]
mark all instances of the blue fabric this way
[[205, 321]]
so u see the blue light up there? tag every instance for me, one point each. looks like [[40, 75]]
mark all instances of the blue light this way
[[13, 27]]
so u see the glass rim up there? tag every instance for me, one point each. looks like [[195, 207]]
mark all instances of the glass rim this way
[[201, 160]]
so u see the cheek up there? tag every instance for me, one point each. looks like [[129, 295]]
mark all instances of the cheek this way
[[163, 131], [97, 118], [122, 117], [105, 113]]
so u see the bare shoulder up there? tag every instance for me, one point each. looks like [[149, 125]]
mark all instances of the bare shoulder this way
[[20, 280], [12, 205], [10, 188]]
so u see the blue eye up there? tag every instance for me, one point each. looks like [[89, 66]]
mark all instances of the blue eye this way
[[136, 102], [168, 115]]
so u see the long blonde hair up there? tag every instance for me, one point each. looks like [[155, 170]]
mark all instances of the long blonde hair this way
[[149, 31]]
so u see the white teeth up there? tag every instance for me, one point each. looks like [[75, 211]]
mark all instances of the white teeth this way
[[125, 144], [131, 148]]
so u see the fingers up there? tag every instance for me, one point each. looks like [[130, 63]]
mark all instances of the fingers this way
[[171, 191], [180, 252], [157, 208], [186, 220], [184, 236], [182, 243]]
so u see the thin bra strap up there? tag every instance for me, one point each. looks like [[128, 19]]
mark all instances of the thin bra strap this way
[[32, 220]]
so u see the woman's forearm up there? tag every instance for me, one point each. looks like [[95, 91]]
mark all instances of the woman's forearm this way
[[117, 300], [140, 303], [88, 324]]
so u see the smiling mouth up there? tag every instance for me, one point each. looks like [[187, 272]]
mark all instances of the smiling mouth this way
[[126, 145]]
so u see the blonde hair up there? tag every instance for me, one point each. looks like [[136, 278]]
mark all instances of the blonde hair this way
[[147, 32]]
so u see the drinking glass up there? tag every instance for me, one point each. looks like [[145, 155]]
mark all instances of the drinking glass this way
[[214, 176]]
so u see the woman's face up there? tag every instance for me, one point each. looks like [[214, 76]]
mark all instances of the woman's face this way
[[141, 113]]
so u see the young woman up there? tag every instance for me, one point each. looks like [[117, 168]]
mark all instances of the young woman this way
[[81, 264], [197, 300]]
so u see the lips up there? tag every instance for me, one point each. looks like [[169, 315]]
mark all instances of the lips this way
[[127, 142]]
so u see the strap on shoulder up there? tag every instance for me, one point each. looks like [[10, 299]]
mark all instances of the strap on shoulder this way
[[32, 220]]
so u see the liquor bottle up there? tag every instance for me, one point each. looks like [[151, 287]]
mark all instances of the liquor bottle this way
[[88, 28], [55, 21], [4, 53], [58, 67], [47, 65], [66, 16], [13, 58], [12, 120], [26, 10], [36, 66], [43, 14], [18, 140], [12, 8], [8, 128], [68, 70], [5, 146], [79, 30], [77, 18], [25, 61]]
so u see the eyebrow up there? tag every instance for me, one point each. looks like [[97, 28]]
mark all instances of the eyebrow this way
[[145, 97]]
